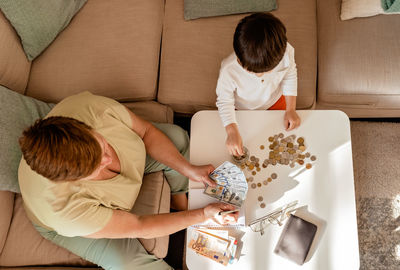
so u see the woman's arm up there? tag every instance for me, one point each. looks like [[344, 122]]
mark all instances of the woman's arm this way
[[160, 147], [127, 225]]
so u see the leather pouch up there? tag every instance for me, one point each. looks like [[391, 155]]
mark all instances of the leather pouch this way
[[296, 239]]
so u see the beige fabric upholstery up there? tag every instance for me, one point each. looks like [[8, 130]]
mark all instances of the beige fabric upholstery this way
[[146, 204], [25, 246], [192, 52], [6, 211], [14, 66], [359, 62], [110, 48], [152, 111]]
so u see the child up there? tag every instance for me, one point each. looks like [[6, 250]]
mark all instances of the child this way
[[261, 74]]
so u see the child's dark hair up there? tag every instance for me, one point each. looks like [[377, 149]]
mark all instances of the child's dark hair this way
[[260, 42]]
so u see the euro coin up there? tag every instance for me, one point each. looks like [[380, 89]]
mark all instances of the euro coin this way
[[274, 176], [260, 198], [262, 147], [308, 166], [313, 158], [262, 205], [258, 184], [253, 185]]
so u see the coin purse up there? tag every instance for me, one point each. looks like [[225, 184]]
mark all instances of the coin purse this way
[[296, 239]]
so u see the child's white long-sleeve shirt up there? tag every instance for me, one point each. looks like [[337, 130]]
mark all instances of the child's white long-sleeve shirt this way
[[243, 90]]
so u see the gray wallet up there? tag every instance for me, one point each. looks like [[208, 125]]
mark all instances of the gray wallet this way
[[296, 239]]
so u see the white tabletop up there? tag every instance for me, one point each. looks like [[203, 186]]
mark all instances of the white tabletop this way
[[327, 189]]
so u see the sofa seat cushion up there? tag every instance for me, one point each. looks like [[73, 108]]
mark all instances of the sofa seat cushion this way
[[110, 48], [6, 212], [14, 67], [358, 60], [192, 52], [25, 246]]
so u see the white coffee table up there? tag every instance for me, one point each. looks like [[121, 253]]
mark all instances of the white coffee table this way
[[327, 189]]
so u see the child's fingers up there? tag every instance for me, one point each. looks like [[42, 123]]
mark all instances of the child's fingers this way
[[286, 124]]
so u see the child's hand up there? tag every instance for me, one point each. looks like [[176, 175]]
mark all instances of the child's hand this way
[[234, 140], [291, 120]]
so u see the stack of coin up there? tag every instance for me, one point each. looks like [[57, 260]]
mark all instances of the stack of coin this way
[[241, 160]]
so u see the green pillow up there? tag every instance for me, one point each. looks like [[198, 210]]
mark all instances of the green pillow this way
[[38, 22], [17, 112], [194, 9]]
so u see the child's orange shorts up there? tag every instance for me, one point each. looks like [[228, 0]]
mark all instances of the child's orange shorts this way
[[279, 105]]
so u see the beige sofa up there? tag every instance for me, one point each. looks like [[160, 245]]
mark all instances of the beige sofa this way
[[145, 55]]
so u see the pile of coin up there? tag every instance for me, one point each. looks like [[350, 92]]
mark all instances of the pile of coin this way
[[282, 150], [287, 151]]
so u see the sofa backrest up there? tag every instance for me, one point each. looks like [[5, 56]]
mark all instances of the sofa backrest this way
[[14, 67], [192, 52], [110, 48]]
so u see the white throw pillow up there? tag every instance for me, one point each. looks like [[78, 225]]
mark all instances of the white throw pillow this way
[[361, 8]]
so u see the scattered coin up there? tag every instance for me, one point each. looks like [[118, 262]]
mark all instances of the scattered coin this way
[[271, 139], [269, 179], [265, 182], [274, 176], [291, 165], [251, 178], [258, 169], [260, 198], [300, 140], [253, 173], [253, 185], [300, 161], [262, 205], [262, 147], [252, 158], [307, 155], [313, 158], [258, 184], [308, 165]]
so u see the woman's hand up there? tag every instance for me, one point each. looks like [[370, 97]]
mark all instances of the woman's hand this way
[[212, 211], [291, 120], [201, 174], [234, 141]]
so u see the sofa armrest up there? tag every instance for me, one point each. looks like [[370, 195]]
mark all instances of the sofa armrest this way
[[154, 198]]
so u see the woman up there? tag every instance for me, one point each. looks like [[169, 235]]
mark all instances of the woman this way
[[81, 172]]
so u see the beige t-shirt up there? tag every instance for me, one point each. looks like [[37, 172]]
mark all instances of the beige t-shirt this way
[[83, 207]]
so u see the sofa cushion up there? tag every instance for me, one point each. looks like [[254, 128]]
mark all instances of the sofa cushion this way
[[358, 61], [192, 52], [110, 48], [194, 9], [17, 112], [152, 111], [153, 198], [14, 67], [39, 22], [25, 246], [6, 211]]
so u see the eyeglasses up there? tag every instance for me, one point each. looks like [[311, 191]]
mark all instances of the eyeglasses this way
[[276, 217]]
